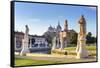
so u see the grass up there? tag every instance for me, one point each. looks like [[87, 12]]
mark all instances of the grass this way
[[71, 51], [59, 52], [91, 50], [72, 60], [91, 47], [87, 47], [28, 62]]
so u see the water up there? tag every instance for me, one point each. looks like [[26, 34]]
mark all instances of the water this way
[[37, 50]]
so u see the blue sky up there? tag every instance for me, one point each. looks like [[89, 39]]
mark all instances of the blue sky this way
[[40, 16]]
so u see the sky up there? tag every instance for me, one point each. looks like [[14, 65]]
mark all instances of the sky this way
[[40, 16]]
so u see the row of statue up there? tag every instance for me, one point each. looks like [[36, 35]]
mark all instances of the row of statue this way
[[60, 40]]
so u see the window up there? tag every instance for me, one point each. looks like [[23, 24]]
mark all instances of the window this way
[[35, 45], [42, 45]]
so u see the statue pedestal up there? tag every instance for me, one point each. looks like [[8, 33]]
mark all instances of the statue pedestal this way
[[23, 52], [25, 48], [59, 52], [81, 50], [82, 53]]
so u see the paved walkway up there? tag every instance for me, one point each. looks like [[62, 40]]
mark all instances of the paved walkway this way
[[43, 58], [47, 57]]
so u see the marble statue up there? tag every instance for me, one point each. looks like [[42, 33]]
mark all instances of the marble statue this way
[[61, 38], [54, 43], [61, 41], [25, 42], [81, 43]]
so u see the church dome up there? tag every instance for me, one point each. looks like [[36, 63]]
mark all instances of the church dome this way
[[50, 27]]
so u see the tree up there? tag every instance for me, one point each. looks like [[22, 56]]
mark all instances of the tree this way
[[49, 36], [73, 37], [90, 39]]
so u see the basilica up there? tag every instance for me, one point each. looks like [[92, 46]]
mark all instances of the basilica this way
[[39, 43], [53, 29], [61, 35]]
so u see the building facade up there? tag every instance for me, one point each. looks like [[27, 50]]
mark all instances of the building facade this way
[[19, 36], [53, 29], [35, 42]]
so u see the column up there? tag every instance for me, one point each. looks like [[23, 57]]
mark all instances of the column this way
[[46, 44], [54, 43], [30, 43], [62, 42], [57, 42], [15, 42]]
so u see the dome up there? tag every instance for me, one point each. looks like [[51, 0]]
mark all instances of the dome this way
[[50, 28]]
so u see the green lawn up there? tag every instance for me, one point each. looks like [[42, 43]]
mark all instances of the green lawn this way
[[27, 62], [91, 50], [87, 47]]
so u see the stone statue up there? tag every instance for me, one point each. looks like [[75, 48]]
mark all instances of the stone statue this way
[[61, 41], [25, 42], [27, 30], [54, 43], [81, 50]]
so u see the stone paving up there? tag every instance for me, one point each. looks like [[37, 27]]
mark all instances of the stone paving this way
[[48, 57]]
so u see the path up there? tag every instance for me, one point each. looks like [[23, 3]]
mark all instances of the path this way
[[48, 57]]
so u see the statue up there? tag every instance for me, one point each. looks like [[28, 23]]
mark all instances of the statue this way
[[60, 41], [25, 42], [81, 50], [54, 43], [62, 38], [27, 30]]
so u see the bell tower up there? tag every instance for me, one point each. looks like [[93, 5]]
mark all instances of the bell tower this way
[[66, 26]]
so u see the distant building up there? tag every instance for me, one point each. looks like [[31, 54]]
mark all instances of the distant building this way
[[53, 29], [45, 41], [35, 42], [64, 35], [59, 32], [18, 38]]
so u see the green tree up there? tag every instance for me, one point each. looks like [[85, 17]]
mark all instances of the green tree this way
[[73, 37], [90, 39], [49, 36]]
